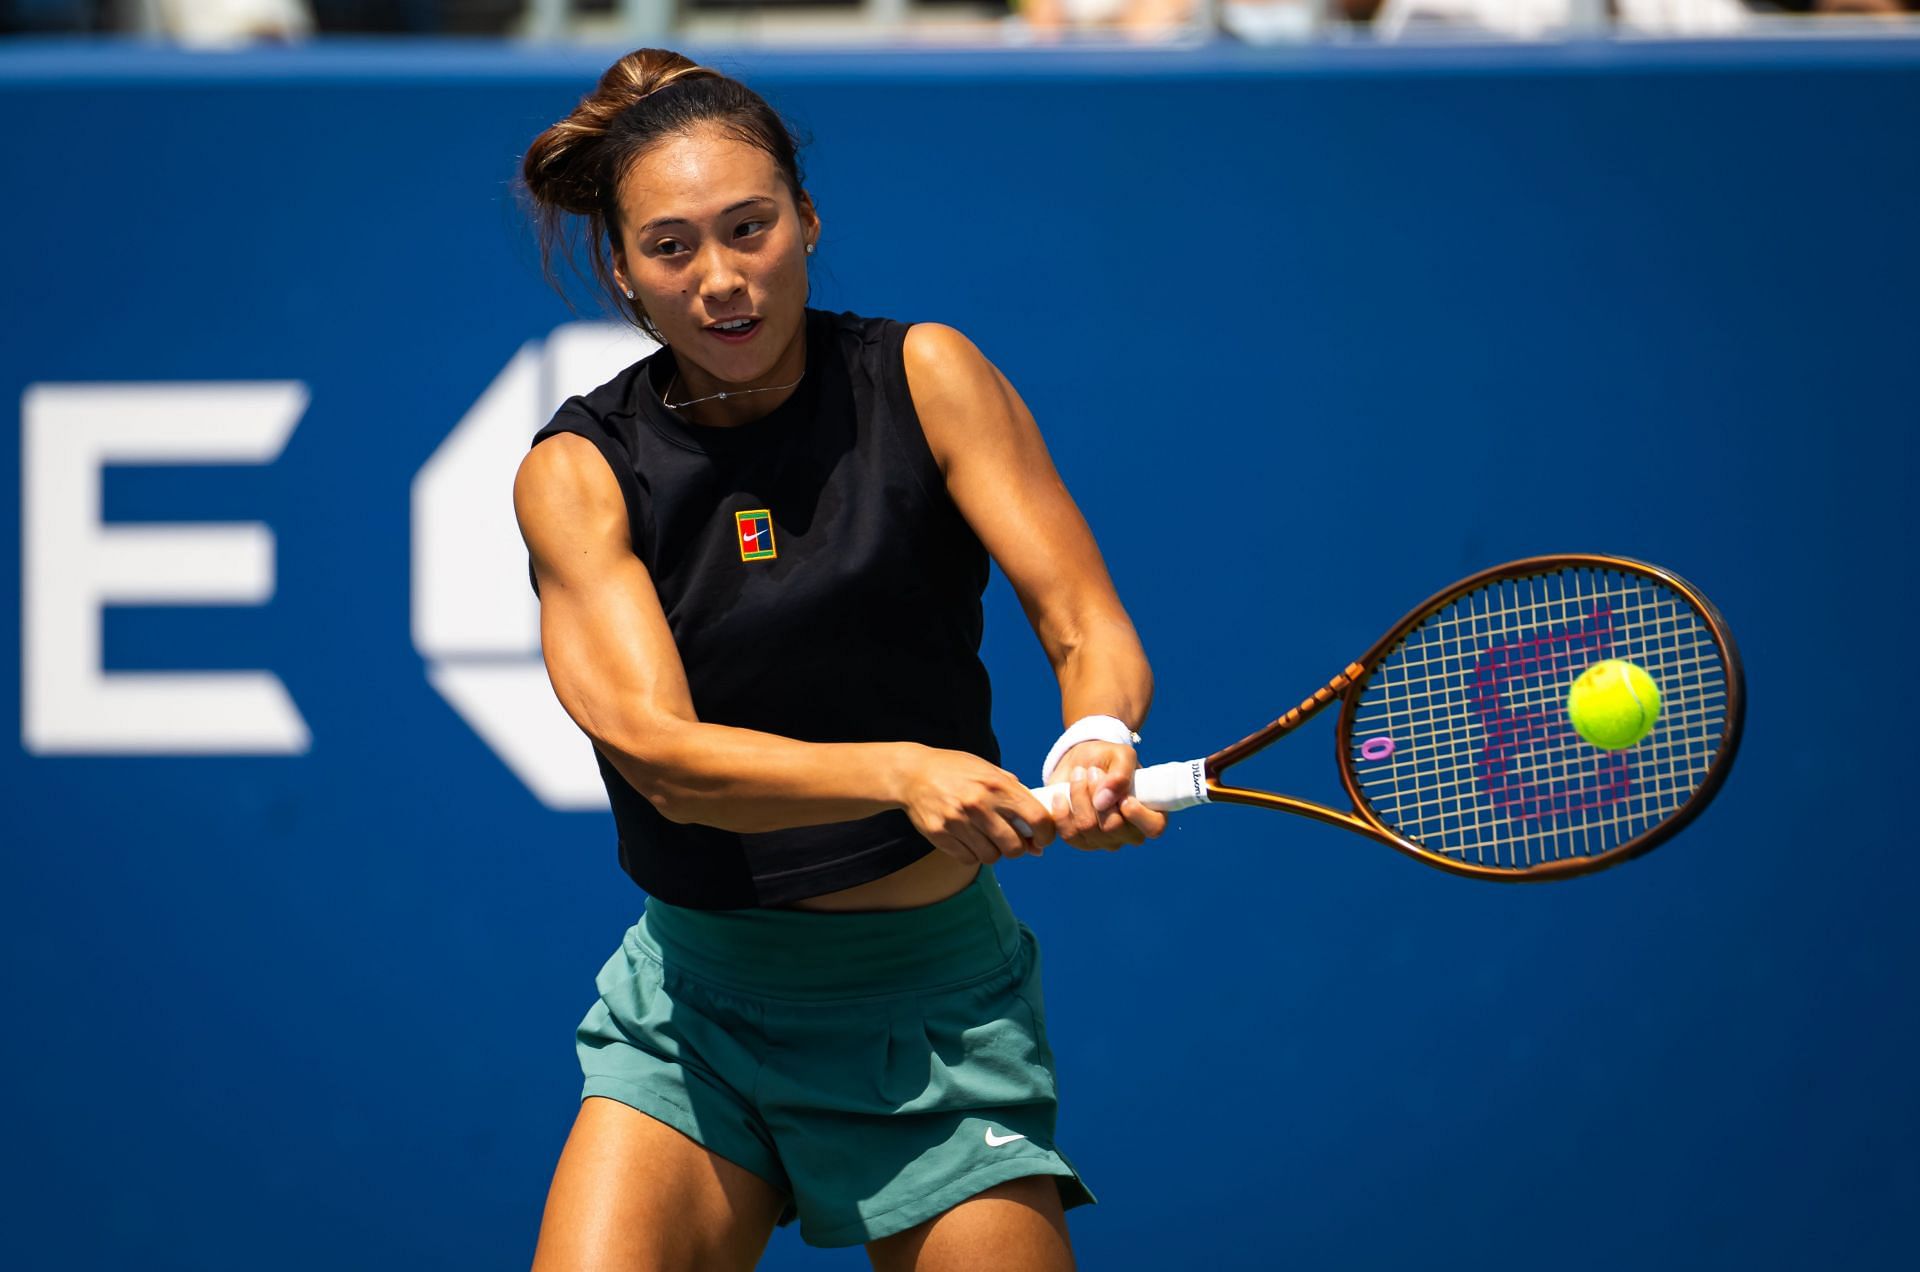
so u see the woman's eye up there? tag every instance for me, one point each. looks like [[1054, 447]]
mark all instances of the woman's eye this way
[[667, 247], [750, 227]]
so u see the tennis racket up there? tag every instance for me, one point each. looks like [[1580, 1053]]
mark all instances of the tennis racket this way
[[1453, 739]]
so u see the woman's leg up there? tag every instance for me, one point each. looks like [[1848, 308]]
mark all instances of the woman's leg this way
[[634, 1195], [1013, 1227]]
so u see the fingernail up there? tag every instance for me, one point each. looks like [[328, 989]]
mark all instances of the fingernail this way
[[1103, 799], [1080, 775]]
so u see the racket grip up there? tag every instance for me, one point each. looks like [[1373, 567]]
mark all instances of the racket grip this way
[[1164, 788]]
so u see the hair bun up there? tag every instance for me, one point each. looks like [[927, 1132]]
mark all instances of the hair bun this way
[[564, 168], [644, 72]]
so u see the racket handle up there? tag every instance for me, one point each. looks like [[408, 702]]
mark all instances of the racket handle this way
[[1165, 788]]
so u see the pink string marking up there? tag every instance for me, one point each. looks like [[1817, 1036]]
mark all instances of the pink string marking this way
[[1553, 655]]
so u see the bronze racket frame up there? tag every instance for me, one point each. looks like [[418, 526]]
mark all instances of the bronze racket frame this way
[[1352, 682]]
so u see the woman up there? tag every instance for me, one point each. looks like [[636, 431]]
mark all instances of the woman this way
[[760, 553]]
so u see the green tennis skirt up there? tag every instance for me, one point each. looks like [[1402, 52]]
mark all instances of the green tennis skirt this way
[[876, 1068]]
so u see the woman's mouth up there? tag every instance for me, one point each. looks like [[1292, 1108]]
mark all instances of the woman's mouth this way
[[734, 330]]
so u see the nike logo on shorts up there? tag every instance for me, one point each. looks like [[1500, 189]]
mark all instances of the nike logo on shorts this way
[[995, 1141]]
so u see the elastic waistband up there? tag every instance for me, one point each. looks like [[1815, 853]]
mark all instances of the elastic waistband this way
[[811, 954]]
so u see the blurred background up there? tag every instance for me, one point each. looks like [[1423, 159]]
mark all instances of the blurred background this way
[[1016, 22], [1320, 306]]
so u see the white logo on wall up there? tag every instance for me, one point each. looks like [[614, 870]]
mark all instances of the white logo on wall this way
[[73, 565], [475, 618]]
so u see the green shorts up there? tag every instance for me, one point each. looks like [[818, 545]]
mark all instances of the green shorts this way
[[876, 1068]]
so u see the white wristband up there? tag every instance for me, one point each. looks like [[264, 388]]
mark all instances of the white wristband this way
[[1093, 728]]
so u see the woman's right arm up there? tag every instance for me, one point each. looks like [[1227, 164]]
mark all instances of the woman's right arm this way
[[616, 670]]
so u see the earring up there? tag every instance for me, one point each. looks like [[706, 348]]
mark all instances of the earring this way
[[629, 292], [809, 249]]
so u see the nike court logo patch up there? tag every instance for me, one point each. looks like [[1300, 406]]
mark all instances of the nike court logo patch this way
[[995, 1141]]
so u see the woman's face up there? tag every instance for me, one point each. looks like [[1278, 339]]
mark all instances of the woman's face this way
[[710, 235]]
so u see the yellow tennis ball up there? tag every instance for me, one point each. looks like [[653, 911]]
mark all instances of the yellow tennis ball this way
[[1613, 704]]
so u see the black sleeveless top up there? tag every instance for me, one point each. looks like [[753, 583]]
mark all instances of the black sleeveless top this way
[[819, 584]]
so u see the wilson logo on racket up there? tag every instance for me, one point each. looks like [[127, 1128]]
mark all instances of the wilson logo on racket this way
[[756, 534], [1453, 740], [1517, 691]]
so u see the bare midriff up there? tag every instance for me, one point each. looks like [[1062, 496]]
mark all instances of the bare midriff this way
[[934, 877]]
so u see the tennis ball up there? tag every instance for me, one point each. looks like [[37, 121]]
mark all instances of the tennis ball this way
[[1613, 704]]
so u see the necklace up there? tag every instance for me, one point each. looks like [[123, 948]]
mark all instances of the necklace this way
[[719, 397]]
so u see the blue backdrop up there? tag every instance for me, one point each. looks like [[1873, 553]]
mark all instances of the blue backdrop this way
[[1345, 323]]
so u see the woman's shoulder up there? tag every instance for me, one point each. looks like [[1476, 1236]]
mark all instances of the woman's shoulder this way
[[874, 327], [924, 350], [941, 363], [855, 330], [606, 410]]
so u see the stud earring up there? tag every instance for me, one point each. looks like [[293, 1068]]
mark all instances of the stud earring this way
[[629, 292], [809, 249]]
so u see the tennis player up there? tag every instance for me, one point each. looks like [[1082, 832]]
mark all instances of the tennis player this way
[[760, 553]]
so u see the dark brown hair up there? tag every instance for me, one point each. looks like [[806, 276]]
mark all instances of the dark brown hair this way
[[572, 172]]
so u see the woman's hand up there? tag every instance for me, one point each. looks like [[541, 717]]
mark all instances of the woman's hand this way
[[966, 807], [1099, 810]]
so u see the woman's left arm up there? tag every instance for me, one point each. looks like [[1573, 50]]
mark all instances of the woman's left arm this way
[[1003, 481]]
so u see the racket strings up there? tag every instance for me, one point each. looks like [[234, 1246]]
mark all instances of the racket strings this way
[[1485, 766]]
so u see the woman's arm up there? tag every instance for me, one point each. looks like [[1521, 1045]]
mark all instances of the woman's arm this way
[[1003, 481], [616, 670]]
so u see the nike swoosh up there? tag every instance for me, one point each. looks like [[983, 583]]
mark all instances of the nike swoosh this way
[[995, 1141]]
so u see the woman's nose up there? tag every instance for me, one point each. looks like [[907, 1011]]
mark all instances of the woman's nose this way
[[720, 278]]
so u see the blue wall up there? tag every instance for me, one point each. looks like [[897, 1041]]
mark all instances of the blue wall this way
[[1386, 317]]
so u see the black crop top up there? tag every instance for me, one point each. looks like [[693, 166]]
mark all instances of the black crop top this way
[[819, 584]]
